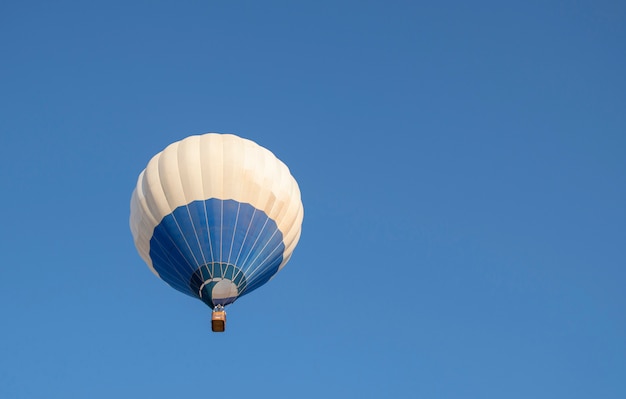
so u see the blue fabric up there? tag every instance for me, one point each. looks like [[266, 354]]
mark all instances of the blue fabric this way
[[216, 239]]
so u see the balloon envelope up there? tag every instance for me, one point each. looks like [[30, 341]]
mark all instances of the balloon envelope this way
[[216, 216]]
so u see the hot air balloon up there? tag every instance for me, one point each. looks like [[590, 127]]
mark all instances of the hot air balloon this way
[[216, 216]]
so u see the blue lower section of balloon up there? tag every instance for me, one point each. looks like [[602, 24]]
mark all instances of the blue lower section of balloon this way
[[211, 239]]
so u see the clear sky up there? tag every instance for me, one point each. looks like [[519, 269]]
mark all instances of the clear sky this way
[[462, 167]]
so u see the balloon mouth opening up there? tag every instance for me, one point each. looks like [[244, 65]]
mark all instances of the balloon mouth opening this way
[[218, 283], [218, 291]]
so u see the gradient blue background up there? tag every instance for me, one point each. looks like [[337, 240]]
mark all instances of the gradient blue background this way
[[463, 171]]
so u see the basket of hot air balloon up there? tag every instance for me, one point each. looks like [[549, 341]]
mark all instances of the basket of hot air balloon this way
[[216, 216]]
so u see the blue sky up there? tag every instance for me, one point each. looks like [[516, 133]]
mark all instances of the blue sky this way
[[462, 170]]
